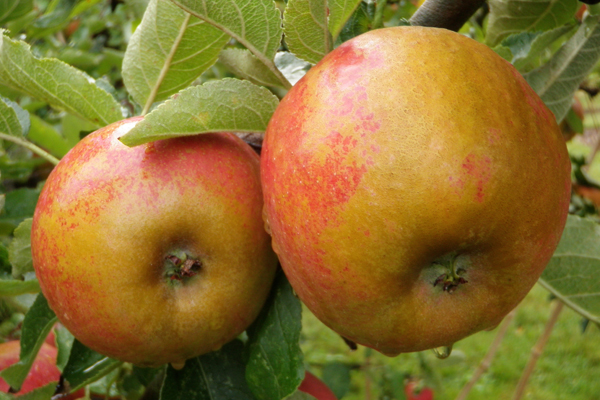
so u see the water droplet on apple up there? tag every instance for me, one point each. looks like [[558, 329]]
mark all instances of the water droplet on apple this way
[[442, 351], [178, 364]]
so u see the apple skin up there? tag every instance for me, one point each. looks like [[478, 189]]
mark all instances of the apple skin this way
[[405, 149], [109, 215], [316, 387]]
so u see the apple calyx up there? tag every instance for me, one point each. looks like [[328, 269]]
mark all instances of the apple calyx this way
[[450, 280], [180, 266]]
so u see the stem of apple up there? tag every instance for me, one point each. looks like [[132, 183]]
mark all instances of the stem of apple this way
[[449, 14], [28, 145], [180, 266], [452, 279]]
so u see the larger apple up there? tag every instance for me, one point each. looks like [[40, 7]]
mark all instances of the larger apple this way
[[415, 187], [157, 253]]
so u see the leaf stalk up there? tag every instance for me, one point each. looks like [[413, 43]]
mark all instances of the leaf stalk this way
[[28, 145]]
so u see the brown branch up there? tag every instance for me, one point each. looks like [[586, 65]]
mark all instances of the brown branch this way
[[449, 14], [487, 361], [537, 350]]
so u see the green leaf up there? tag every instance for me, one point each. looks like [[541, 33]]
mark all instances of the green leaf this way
[[513, 16], [218, 375], [503, 52], [291, 66], [73, 127], [36, 326], [5, 267], [146, 375], [306, 31], [19, 251], [574, 121], [358, 24], [55, 82], [138, 7], [556, 81], [17, 167], [234, 17], [64, 343], [572, 274], [12, 287], [86, 366], [13, 9], [10, 123], [336, 375], [526, 47], [57, 14], [44, 135], [340, 12], [20, 204], [275, 366], [168, 51], [245, 65], [227, 105], [298, 395]]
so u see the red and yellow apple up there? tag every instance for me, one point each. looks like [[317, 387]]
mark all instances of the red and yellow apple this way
[[415, 187], [157, 253]]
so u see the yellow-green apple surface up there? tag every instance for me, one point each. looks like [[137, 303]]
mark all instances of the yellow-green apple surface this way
[[415, 187], [157, 253]]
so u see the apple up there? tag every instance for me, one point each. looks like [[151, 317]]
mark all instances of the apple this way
[[42, 372], [157, 253], [415, 187], [316, 387]]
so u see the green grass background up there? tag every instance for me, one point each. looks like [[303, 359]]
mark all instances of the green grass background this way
[[569, 367]]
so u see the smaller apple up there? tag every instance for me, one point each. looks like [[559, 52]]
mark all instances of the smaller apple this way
[[316, 388], [43, 371]]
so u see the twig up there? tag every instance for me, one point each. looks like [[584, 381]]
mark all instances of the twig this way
[[537, 350], [367, 372], [449, 14], [487, 361], [27, 144]]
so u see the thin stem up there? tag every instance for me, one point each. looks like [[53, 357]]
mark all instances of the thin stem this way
[[489, 357], [27, 144], [367, 372], [167, 64], [537, 350], [449, 14]]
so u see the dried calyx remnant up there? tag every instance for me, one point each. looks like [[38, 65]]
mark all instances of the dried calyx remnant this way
[[450, 280], [179, 266]]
